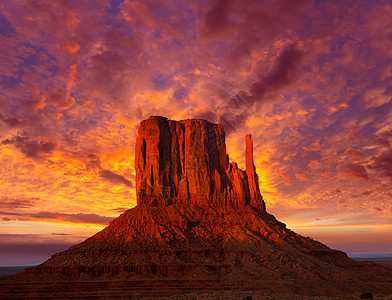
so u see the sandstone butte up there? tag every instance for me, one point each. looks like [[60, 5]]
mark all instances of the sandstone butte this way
[[186, 163], [200, 225]]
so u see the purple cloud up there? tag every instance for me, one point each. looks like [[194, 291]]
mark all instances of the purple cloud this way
[[114, 178]]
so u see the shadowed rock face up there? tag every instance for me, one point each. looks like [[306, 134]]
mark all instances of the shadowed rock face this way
[[185, 162]]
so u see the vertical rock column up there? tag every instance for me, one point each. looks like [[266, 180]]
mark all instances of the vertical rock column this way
[[256, 200], [185, 162], [153, 162]]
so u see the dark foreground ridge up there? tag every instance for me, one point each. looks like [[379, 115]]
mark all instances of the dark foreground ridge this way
[[200, 225]]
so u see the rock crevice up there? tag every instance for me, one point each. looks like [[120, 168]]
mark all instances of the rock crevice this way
[[185, 162]]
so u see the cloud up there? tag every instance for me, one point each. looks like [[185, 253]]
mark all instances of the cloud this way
[[60, 234], [106, 73], [383, 163], [71, 47], [6, 27], [31, 148], [17, 202], [60, 98], [283, 74], [6, 236], [114, 178], [35, 105], [382, 142], [74, 70], [314, 164], [216, 19], [384, 138], [74, 218], [353, 170], [12, 121], [55, 216], [119, 209], [302, 177], [232, 113], [354, 153], [333, 191], [235, 110]]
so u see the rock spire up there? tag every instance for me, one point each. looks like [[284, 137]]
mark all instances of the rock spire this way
[[255, 197], [185, 162], [192, 237]]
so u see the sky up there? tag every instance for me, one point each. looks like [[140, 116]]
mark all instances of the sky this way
[[311, 80]]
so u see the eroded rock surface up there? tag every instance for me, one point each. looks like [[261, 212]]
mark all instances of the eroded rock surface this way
[[205, 229], [178, 249], [185, 162]]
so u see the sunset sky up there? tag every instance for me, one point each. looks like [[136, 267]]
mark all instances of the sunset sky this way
[[311, 80]]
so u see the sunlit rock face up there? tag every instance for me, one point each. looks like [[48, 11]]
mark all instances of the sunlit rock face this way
[[255, 198], [185, 162], [205, 228]]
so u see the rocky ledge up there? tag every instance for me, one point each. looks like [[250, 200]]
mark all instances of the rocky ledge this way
[[200, 224]]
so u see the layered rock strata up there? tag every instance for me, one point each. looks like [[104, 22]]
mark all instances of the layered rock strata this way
[[193, 236], [185, 162], [176, 240]]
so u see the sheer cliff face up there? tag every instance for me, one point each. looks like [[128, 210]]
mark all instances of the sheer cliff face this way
[[185, 162]]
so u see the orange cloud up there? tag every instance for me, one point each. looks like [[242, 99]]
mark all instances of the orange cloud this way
[[54, 217], [301, 112], [352, 170], [77, 156], [284, 175], [61, 98], [71, 47], [312, 147], [70, 19], [314, 164], [302, 177], [354, 153], [71, 78], [36, 105]]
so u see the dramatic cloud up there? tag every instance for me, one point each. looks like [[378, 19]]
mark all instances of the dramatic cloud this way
[[115, 178], [282, 75], [13, 121], [217, 18], [31, 148], [309, 79], [383, 163], [77, 218], [56, 217], [302, 177], [17, 202], [353, 170], [355, 154]]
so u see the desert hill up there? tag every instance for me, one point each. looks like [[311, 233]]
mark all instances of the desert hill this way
[[200, 225]]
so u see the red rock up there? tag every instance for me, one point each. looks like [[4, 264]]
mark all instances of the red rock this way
[[238, 189], [237, 248], [206, 229], [256, 200], [185, 162]]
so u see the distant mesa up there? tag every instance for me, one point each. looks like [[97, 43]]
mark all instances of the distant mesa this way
[[186, 163], [200, 225]]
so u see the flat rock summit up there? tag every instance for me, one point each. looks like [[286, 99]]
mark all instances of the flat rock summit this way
[[200, 225], [186, 163]]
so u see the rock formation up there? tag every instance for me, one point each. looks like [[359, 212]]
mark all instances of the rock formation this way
[[255, 198], [186, 163], [205, 228]]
